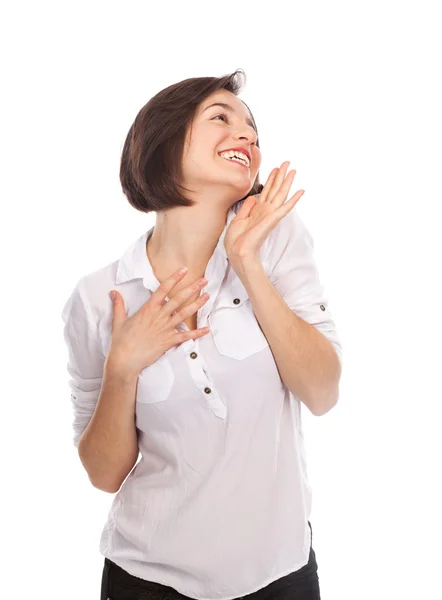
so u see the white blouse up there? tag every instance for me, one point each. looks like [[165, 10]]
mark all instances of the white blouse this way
[[218, 505]]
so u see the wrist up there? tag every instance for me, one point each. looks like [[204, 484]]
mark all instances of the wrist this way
[[115, 368]]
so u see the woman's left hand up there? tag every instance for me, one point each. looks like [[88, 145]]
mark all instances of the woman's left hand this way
[[259, 215]]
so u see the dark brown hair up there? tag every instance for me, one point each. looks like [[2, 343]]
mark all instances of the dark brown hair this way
[[150, 168]]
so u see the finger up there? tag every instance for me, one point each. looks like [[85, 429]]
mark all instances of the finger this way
[[118, 309], [281, 196], [278, 181], [175, 302], [159, 296], [178, 316], [287, 206], [268, 186], [183, 336]]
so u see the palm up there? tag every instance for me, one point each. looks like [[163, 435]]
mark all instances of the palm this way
[[237, 238], [259, 214]]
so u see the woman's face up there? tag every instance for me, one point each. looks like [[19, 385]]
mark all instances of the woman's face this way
[[214, 130]]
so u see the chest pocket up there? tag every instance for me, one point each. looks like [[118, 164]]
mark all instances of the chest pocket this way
[[234, 327], [155, 382]]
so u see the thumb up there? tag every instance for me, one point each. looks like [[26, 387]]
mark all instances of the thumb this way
[[119, 311], [246, 207]]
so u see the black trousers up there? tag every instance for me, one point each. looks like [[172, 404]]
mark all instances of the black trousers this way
[[118, 584]]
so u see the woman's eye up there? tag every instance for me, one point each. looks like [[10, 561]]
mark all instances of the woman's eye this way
[[221, 115]]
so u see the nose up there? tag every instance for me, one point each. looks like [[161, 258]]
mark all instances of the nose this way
[[246, 132]]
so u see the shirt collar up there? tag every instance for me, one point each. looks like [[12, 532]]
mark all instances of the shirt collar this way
[[135, 263]]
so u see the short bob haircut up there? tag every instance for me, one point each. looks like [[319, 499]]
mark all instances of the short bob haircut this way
[[150, 168]]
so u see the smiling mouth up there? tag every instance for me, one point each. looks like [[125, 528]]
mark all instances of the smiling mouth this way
[[234, 160]]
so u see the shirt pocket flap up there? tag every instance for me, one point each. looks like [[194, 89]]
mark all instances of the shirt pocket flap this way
[[234, 327], [233, 296]]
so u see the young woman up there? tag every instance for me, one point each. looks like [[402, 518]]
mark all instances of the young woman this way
[[207, 387]]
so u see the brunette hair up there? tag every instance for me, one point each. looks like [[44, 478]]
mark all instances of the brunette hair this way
[[150, 168]]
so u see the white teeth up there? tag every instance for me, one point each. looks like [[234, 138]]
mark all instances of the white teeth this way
[[235, 159], [235, 155]]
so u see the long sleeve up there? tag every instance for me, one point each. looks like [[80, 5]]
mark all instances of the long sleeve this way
[[294, 273], [85, 357]]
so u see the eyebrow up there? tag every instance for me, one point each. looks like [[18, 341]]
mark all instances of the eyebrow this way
[[229, 108]]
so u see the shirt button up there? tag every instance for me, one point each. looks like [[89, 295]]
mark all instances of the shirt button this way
[[322, 307], [208, 390], [193, 355], [236, 301]]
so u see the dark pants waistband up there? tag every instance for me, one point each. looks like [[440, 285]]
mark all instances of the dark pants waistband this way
[[118, 584]]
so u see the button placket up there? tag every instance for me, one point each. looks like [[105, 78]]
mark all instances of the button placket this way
[[215, 274], [201, 376]]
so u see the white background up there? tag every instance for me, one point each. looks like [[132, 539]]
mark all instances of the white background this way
[[350, 93]]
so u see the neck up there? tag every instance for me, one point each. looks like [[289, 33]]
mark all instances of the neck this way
[[183, 237]]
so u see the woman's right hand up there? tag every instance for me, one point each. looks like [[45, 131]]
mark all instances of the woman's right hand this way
[[139, 340]]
